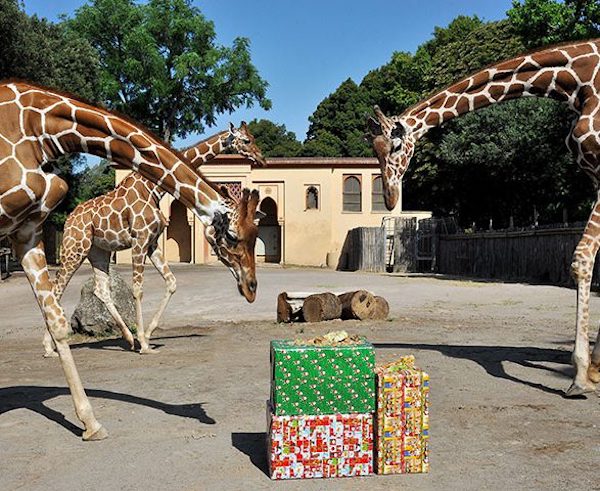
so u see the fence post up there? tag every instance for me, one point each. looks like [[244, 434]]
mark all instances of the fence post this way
[[405, 231]]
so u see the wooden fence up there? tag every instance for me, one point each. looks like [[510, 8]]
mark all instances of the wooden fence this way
[[364, 249], [540, 255]]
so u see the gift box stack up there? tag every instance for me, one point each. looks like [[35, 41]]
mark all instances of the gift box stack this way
[[321, 409], [402, 418]]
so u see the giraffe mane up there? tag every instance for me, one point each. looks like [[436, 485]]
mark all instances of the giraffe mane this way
[[200, 142], [99, 106]]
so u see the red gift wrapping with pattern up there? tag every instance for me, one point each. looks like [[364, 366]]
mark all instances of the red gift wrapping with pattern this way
[[402, 418], [304, 446]]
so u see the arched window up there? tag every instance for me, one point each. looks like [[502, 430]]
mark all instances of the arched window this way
[[352, 194], [377, 202], [312, 198]]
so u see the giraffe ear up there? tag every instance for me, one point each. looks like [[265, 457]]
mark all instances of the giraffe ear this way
[[231, 126], [374, 127], [224, 190]]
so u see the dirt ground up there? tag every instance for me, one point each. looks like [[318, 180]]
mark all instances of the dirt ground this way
[[193, 416]]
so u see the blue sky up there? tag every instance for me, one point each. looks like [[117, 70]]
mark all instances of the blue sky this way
[[306, 48]]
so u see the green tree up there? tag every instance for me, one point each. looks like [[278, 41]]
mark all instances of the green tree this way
[[486, 44], [161, 64], [543, 22], [337, 125], [274, 140]]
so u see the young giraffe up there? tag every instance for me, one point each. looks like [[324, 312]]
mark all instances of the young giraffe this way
[[38, 125], [129, 217], [569, 73]]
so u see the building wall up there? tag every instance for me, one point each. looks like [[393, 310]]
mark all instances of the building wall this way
[[310, 237]]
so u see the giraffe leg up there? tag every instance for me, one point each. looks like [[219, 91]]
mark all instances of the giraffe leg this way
[[76, 244], [594, 370], [582, 269], [100, 260], [33, 260], [138, 256], [161, 265]]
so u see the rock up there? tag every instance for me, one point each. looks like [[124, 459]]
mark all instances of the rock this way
[[91, 316]]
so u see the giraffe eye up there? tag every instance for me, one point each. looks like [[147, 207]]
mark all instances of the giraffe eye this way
[[397, 131]]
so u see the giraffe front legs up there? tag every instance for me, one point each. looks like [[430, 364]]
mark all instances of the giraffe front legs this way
[[33, 261], [162, 267], [586, 373], [138, 256]]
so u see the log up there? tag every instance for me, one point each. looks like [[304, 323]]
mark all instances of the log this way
[[284, 309], [381, 310], [357, 305], [321, 307], [288, 309]]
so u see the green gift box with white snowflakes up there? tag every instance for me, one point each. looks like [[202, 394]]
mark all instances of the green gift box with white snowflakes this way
[[322, 379]]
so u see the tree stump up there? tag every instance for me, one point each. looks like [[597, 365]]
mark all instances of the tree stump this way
[[289, 307], [357, 305], [381, 310], [284, 309], [321, 307]]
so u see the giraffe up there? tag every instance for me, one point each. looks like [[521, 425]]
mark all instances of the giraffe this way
[[37, 125], [569, 73], [129, 217]]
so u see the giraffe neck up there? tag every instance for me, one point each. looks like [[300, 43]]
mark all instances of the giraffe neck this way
[[61, 125], [557, 73], [208, 149], [197, 155]]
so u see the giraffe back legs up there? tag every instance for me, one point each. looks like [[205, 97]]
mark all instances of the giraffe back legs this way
[[33, 260], [160, 263], [100, 260]]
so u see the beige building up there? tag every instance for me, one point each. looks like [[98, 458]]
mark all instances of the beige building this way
[[310, 205]]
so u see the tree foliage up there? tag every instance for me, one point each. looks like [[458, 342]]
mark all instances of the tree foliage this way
[[274, 140], [543, 22], [161, 65], [333, 129]]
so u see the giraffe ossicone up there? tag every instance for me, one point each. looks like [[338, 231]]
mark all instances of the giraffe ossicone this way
[[569, 73]]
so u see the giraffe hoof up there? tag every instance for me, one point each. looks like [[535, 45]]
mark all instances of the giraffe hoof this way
[[578, 390], [594, 373], [51, 354], [98, 434]]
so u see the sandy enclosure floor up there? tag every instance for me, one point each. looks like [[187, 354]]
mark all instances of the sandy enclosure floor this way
[[193, 416]]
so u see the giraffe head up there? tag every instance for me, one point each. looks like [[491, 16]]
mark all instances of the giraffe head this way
[[244, 144], [232, 235], [394, 144]]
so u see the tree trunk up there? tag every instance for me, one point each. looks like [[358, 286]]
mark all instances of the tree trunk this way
[[321, 307], [381, 310], [357, 305]]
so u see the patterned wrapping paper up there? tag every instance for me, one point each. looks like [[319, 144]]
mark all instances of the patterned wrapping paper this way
[[302, 447], [402, 418], [309, 379]]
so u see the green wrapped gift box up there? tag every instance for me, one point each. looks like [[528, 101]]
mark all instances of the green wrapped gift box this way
[[310, 379]]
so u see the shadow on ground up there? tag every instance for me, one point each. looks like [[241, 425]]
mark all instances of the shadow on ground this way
[[254, 445], [33, 398], [490, 358], [119, 344]]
